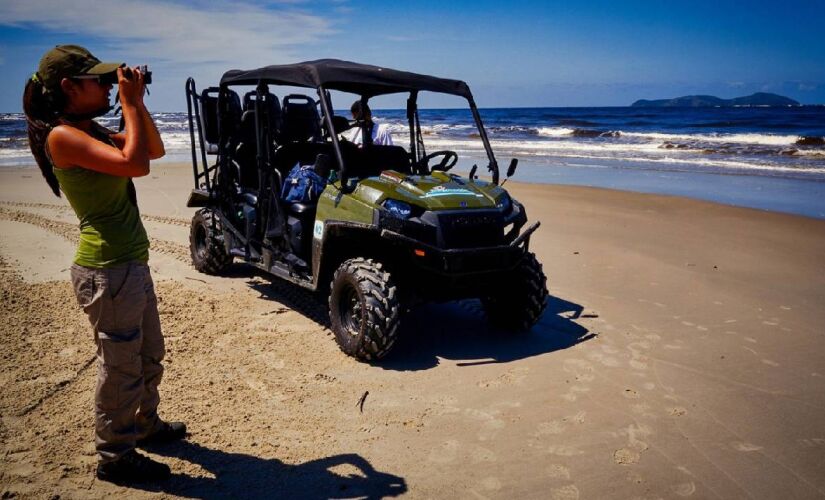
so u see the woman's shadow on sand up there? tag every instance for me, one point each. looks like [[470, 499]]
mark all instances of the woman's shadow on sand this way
[[455, 330], [238, 475]]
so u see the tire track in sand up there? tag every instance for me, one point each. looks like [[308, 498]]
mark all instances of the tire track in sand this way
[[174, 221], [70, 232]]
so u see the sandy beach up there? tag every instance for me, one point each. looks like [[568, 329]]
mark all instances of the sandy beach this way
[[681, 355]]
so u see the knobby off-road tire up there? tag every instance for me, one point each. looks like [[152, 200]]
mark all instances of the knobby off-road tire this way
[[206, 243], [522, 297], [364, 309]]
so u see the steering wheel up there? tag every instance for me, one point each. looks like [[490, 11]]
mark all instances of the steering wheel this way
[[446, 163]]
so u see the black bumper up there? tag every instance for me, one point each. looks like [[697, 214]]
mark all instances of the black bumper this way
[[463, 261]]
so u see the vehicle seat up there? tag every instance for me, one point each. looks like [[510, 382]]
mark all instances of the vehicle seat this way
[[209, 117], [376, 159], [273, 109], [301, 122], [246, 153]]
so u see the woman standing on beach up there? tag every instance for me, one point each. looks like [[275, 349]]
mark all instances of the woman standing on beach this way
[[93, 167]]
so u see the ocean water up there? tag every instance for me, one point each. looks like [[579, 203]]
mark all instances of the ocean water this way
[[761, 157]]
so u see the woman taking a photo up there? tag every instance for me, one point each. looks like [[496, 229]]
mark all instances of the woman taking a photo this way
[[93, 167]]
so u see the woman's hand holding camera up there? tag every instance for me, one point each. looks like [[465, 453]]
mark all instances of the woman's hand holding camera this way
[[131, 86]]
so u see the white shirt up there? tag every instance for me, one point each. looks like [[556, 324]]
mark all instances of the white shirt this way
[[380, 135]]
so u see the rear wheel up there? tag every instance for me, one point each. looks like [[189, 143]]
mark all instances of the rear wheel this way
[[521, 298], [364, 309], [209, 254]]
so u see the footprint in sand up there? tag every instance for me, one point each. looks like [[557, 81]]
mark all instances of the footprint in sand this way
[[554, 427], [490, 424], [632, 452], [573, 393], [558, 471], [549, 428], [480, 454], [491, 483], [605, 360], [638, 365], [569, 492], [643, 409], [634, 477], [444, 454], [685, 489], [626, 456], [512, 376]]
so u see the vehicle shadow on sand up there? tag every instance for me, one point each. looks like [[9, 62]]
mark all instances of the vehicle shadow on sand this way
[[455, 330], [459, 331], [232, 475]]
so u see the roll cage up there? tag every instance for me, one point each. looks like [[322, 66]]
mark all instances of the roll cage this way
[[322, 75]]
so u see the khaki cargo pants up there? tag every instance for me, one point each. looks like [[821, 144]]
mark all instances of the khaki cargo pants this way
[[122, 307]]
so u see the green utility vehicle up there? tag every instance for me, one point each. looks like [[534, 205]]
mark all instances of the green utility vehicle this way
[[392, 227]]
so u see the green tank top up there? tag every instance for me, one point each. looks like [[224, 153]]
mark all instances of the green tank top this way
[[111, 231]]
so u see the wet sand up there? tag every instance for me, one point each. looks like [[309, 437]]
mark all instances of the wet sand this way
[[681, 355]]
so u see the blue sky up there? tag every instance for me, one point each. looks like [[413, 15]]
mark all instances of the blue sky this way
[[598, 53]]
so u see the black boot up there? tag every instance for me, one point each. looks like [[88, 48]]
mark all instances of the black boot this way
[[133, 468], [168, 432]]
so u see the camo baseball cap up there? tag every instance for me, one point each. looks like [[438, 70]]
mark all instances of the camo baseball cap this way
[[66, 61]]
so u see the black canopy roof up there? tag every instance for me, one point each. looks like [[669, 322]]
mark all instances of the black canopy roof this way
[[346, 76]]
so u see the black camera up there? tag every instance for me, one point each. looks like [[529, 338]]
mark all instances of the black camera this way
[[111, 78]]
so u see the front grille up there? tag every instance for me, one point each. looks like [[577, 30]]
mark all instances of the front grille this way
[[471, 229]]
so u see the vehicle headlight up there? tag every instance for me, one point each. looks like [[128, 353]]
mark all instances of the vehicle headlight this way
[[398, 208], [504, 203]]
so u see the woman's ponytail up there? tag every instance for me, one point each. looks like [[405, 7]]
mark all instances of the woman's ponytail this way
[[42, 109]]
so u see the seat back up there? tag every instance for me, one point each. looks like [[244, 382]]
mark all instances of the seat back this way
[[273, 111], [375, 159], [211, 126], [246, 152], [301, 122]]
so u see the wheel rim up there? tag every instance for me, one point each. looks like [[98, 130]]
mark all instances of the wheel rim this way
[[350, 310]]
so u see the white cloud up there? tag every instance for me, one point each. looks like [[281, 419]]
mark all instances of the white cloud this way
[[228, 33]]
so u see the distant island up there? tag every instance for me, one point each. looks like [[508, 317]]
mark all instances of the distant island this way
[[709, 101]]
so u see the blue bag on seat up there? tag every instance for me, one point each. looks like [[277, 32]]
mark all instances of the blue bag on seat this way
[[302, 184]]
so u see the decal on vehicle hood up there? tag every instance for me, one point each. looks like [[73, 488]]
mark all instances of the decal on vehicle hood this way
[[445, 191]]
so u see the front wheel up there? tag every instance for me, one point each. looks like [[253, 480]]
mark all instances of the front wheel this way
[[206, 246], [364, 309], [521, 298]]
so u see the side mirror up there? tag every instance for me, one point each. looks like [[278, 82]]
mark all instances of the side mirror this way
[[512, 168]]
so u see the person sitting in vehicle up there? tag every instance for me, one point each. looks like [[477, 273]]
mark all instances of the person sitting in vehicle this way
[[377, 133]]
